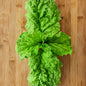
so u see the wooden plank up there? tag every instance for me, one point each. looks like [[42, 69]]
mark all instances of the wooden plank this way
[[65, 8], [74, 58], [22, 69], [81, 43]]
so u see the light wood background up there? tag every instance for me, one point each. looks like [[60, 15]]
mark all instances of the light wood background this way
[[14, 72]]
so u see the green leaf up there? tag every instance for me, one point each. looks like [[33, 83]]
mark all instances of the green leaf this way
[[27, 44], [52, 65], [60, 44], [44, 16]]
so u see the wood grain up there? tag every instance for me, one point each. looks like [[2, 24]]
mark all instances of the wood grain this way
[[14, 72]]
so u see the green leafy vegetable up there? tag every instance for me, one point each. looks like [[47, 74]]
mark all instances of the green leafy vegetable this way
[[43, 42]]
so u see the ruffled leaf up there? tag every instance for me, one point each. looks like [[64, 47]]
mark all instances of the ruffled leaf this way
[[52, 67], [43, 15], [27, 44], [61, 44]]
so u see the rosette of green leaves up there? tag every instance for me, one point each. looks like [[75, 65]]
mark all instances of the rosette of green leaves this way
[[43, 42]]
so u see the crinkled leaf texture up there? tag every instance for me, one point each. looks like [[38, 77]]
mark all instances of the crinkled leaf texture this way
[[43, 42]]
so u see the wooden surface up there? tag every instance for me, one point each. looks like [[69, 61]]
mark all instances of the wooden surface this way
[[14, 72]]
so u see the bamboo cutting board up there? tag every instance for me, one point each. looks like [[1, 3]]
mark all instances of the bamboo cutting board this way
[[14, 72]]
